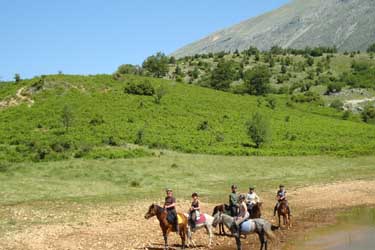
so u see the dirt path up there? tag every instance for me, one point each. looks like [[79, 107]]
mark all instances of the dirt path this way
[[118, 226], [20, 97]]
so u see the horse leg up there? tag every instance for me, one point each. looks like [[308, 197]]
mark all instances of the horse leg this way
[[238, 242], [183, 237], [209, 232], [165, 241], [278, 214], [262, 240]]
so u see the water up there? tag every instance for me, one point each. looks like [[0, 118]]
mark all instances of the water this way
[[355, 230]]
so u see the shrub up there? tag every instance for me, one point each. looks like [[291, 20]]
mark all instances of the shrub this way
[[258, 129], [306, 97], [159, 94], [203, 126], [157, 65], [337, 104], [368, 114], [371, 49], [271, 102], [257, 80], [346, 115], [143, 88], [140, 137]]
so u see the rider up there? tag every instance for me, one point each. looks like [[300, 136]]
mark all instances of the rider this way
[[233, 201], [170, 205], [251, 199], [194, 210], [242, 216], [281, 196]]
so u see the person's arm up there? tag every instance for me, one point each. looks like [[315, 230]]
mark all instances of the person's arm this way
[[257, 198], [232, 200]]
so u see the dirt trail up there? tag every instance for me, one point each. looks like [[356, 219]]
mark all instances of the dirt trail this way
[[21, 97], [119, 226]]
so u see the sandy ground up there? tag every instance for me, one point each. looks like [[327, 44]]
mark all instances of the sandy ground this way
[[118, 226]]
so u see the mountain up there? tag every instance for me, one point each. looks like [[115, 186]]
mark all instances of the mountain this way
[[346, 24]]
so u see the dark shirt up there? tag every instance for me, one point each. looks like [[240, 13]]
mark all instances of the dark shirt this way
[[170, 201], [233, 199], [195, 204]]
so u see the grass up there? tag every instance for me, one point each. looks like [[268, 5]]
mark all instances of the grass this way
[[146, 178]]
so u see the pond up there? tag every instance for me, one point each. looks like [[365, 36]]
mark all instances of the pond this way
[[355, 230]]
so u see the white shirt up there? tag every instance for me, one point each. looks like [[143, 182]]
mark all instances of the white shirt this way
[[252, 198]]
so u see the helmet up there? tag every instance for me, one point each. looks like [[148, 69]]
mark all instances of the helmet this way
[[251, 188], [241, 197], [194, 194], [234, 186], [281, 186], [168, 190]]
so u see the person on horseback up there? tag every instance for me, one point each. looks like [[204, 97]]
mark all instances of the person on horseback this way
[[242, 215], [194, 210], [233, 201], [281, 196], [170, 206], [251, 199]]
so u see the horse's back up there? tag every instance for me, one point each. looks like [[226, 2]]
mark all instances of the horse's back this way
[[248, 227]]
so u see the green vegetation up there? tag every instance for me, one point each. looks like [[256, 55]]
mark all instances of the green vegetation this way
[[258, 129], [78, 117], [79, 181]]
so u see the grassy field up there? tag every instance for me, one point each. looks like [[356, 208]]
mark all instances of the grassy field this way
[[146, 178]]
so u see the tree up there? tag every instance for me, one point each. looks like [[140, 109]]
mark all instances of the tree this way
[[17, 77], [283, 69], [127, 69], [157, 65], [67, 117], [257, 80], [371, 49], [223, 75], [368, 114], [258, 129], [160, 92], [310, 61]]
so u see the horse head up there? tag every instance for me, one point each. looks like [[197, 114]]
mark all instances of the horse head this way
[[217, 219], [152, 211]]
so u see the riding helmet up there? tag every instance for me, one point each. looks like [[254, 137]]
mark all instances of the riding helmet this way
[[194, 194], [234, 186]]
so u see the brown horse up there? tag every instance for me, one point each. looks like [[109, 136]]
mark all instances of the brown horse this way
[[222, 208], [255, 212], [283, 210], [166, 227]]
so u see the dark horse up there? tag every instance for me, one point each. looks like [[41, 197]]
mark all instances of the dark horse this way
[[222, 208], [255, 210], [283, 210], [166, 227]]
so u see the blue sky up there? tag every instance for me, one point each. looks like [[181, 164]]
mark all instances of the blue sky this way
[[96, 36]]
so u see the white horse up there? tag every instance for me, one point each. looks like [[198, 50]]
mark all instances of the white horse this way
[[259, 226], [207, 224]]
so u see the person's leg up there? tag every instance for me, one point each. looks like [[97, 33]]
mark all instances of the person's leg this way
[[193, 219], [275, 209]]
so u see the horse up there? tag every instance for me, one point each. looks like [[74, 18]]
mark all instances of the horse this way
[[166, 227], [283, 210], [223, 208], [205, 221], [259, 226], [255, 211]]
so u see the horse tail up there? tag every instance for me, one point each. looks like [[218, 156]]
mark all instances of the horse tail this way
[[270, 235]]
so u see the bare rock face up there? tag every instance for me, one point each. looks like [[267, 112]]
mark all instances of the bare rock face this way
[[347, 24]]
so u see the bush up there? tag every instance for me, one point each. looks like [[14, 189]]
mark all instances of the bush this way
[[140, 137], [257, 80], [337, 104], [368, 114], [258, 129], [157, 65], [203, 126], [159, 94], [306, 97], [346, 115], [143, 88], [371, 49], [271, 102]]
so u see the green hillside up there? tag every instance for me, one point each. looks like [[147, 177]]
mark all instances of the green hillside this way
[[105, 122]]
